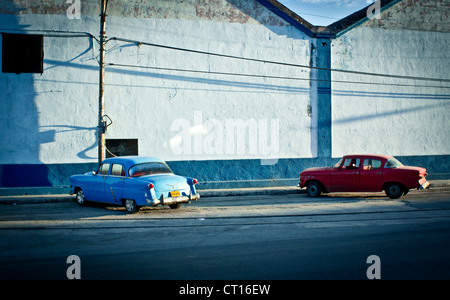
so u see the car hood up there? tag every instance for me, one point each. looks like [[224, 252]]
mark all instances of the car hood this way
[[316, 170], [166, 182], [410, 168]]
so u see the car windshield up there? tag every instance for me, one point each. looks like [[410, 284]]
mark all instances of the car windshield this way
[[337, 165], [149, 168], [392, 162]]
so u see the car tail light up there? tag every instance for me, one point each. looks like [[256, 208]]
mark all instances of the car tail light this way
[[151, 185]]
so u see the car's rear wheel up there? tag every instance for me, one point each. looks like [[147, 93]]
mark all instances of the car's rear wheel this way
[[131, 206], [313, 189], [394, 190], [80, 198]]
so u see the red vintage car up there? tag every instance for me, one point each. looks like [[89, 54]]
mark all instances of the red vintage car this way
[[364, 173]]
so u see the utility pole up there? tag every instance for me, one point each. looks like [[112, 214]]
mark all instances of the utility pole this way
[[101, 100]]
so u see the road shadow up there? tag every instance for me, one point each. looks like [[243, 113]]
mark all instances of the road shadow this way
[[98, 207], [359, 196]]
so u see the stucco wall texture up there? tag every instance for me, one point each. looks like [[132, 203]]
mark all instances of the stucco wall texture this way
[[153, 105], [237, 116], [394, 115]]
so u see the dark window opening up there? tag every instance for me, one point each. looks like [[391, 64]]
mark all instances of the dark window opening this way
[[121, 147], [22, 53]]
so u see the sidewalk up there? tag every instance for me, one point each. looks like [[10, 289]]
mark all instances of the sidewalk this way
[[32, 199]]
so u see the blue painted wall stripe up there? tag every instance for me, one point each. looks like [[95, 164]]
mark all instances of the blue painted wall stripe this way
[[211, 173]]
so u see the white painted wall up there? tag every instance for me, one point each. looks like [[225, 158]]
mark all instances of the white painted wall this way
[[52, 118], [168, 104], [389, 119]]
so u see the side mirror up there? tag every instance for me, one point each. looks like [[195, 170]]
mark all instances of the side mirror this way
[[93, 173]]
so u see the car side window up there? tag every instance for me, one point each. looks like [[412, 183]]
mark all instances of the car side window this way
[[117, 170], [351, 164], [371, 164], [103, 169]]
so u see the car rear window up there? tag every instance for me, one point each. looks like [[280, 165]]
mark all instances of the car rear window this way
[[149, 169]]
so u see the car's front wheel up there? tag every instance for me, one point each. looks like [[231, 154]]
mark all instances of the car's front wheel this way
[[394, 190], [313, 189], [131, 206], [80, 198]]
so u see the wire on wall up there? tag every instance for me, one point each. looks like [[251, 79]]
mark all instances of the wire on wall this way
[[271, 76], [140, 43]]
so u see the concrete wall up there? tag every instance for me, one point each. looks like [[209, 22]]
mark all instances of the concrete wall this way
[[50, 119], [397, 116], [195, 116], [225, 129]]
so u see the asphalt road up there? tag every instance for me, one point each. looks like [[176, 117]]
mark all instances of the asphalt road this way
[[246, 237]]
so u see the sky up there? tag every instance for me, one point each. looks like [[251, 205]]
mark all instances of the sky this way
[[324, 12]]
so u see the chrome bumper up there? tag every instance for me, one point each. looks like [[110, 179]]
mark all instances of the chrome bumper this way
[[425, 185], [173, 200], [179, 199]]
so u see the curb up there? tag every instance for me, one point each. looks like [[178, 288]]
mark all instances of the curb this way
[[64, 198]]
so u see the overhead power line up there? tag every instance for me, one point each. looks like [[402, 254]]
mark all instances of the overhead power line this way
[[277, 62], [270, 76]]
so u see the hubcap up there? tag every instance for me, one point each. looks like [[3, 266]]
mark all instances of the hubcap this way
[[80, 197], [129, 205], [313, 190], [394, 189]]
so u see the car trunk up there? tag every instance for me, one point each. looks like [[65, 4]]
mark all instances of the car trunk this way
[[167, 182]]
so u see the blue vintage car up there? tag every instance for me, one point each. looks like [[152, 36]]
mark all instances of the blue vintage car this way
[[134, 181]]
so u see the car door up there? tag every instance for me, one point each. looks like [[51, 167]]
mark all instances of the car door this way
[[95, 188], [347, 179], [114, 184], [371, 176]]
